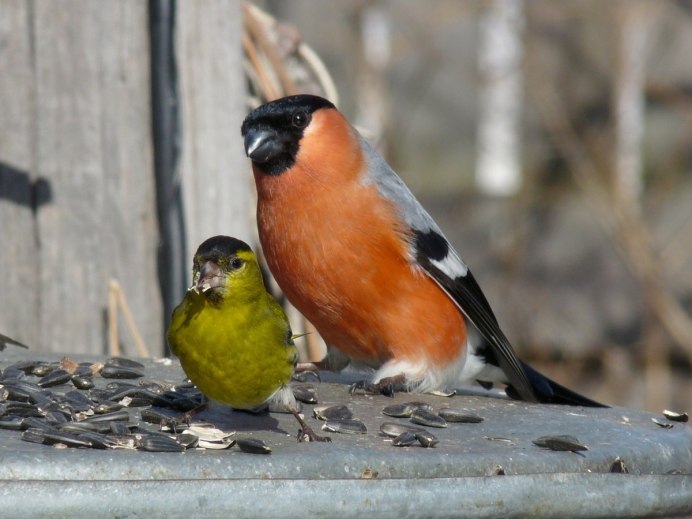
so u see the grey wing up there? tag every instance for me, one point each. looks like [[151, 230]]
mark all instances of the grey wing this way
[[431, 252]]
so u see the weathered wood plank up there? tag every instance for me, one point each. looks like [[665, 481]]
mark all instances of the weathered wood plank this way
[[18, 247], [93, 146], [217, 184]]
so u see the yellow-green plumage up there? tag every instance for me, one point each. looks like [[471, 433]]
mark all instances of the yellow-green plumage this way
[[233, 340]]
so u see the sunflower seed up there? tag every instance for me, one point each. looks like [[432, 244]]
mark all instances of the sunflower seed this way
[[82, 382], [351, 426], [393, 430], [425, 417], [123, 362], [457, 416], [12, 423], [676, 417], [253, 446], [158, 443], [121, 372], [426, 439], [405, 439], [562, 442], [304, 393], [332, 412]]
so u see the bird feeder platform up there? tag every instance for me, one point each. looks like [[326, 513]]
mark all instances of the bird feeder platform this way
[[637, 464]]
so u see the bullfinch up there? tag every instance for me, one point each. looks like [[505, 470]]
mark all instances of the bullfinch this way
[[360, 257]]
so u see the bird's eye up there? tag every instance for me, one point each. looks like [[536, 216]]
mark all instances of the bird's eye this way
[[300, 119], [236, 263]]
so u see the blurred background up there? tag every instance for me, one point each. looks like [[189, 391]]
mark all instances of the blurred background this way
[[552, 142]]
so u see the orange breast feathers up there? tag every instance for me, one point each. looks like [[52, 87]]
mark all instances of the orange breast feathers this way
[[340, 253]]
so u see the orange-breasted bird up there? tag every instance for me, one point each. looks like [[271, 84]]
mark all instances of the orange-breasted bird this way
[[358, 255]]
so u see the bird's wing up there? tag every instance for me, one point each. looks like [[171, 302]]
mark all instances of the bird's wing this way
[[433, 253]]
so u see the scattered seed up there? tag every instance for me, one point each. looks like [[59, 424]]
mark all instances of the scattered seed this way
[[676, 417], [12, 423], [304, 393], [425, 417], [498, 439], [33, 436], [55, 378], [121, 415], [393, 430], [56, 418], [562, 442], [457, 416], [332, 412], [405, 439], [43, 368], [618, 466], [158, 443], [32, 422], [82, 382], [351, 426], [426, 439], [399, 410], [12, 373], [77, 401], [106, 408], [154, 416], [121, 372], [123, 362], [253, 446]]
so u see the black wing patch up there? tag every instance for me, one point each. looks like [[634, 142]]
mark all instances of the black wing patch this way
[[464, 290]]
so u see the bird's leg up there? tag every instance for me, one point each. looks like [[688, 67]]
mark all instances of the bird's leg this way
[[387, 386], [185, 418], [306, 433]]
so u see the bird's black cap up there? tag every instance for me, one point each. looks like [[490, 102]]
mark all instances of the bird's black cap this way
[[272, 132], [221, 246]]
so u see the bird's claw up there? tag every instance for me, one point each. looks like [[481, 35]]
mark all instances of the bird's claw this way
[[308, 435]]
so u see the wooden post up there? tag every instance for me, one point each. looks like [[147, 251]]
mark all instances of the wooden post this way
[[75, 97], [217, 183]]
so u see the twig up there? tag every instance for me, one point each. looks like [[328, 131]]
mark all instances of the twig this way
[[116, 298]]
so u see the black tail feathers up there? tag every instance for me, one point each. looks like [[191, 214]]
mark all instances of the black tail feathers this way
[[550, 392]]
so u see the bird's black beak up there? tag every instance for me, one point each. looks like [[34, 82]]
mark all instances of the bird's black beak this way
[[262, 145], [210, 276]]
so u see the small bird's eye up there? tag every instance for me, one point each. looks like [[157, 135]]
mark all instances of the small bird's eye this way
[[236, 263], [300, 119]]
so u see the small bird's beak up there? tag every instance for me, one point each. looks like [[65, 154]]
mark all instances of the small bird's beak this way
[[261, 145], [210, 276]]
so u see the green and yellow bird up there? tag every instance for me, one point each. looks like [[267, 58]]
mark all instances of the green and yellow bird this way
[[233, 339]]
